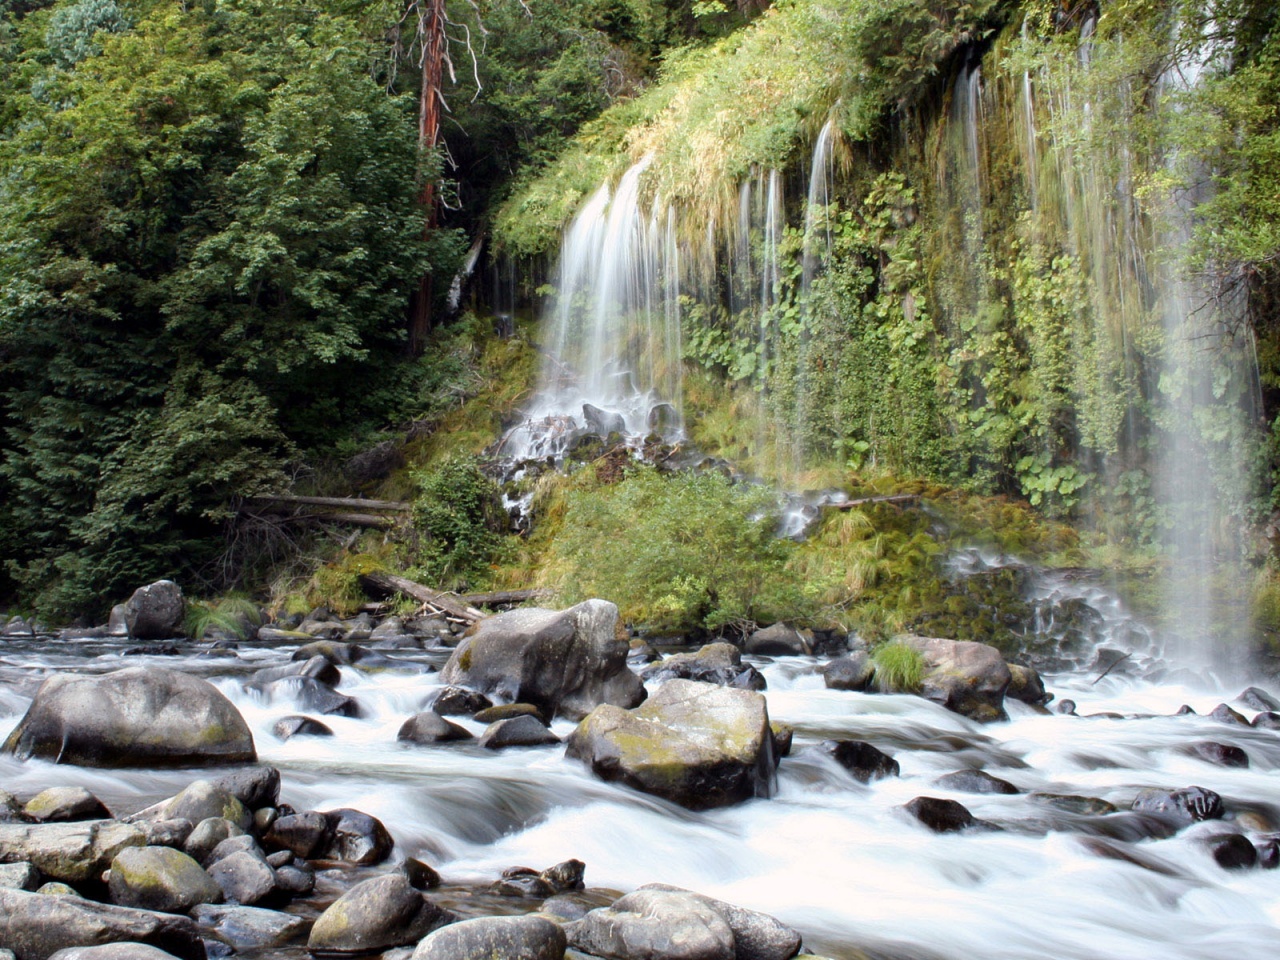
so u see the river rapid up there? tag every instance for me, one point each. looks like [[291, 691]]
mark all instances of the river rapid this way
[[838, 860]]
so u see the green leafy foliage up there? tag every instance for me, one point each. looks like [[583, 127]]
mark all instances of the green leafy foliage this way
[[460, 519], [899, 668]]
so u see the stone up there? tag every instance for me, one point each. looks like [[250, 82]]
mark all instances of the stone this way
[[297, 878], [19, 876], [63, 804], [244, 843], [654, 924], [1071, 803], [853, 672], [255, 787], [203, 800], [70, 852], [1267, 721], [1067, 707], [376, 915], [305, 834], [35, 926], [517, 732], [601, 423], [244, 878], [356, 837], [1256, 698], [335, 651], [167, 833], [155, 611], [1231, 851], [697, 744], [719, 663], [1026, 686], [565, 662], [160, 878], [454, 701], [779, 640], [565, 876], [965, 677], [139, 716], [756, 935], [300, 726], [508, 711], [249, 927], [511, 938], [10, 807], [939, 815], [975, 781], [1224, 714], [1180, 807], [317, 668], [54, 888], [863, 761], [113, 951], [1222, 754], [311, 695], [429, 727], [422, 876], [207, 835]]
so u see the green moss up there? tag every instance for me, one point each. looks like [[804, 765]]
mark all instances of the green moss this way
[[899, 668]]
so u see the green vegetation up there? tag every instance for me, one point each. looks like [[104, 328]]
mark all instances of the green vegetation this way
[[460, 519], [899, 668]]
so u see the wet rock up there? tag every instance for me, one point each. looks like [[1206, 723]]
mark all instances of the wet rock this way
[[697, 744], [55, 888], [565, 876], [376, 915], [654, 925], [965, 677], [155, 611], [64, 804], [854, 672], [1256, 698], [567, 907], [297, 878], [325, 631], [1224, 714], [508, 711], [783, 736], [517, 732], [456, 701], [313, 696], [719, 663], [19, 876], [511, 938], [160, 878], [779, 640], [756, 935], [335, 651], [113, 951], [863, 761], [1223, 754], [167, 833], [1067, 707], [35, 926], [1268, 851], [601, 423], [356, 837], [1267, 721], [940, 816], [244, 877], [249, 927], [255, 787], [70, 852], [1231, 851], [422, 876], [204, 800], [10, 808], [565, 662], [1084, 806], [283, 635], [140, 716], [523, 882], [1026, 686], [1186, 710], [207, 835], [429, 727], [241, 844], [297, 725], [317, 668], [154, 650], [305, 834], [1180, 807], [975, 781]]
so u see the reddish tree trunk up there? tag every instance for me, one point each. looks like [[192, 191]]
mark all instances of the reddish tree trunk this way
[[432, 38]]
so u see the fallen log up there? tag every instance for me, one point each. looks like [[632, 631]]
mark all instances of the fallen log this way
[[354, 504], [443, 602], [500, 598], [866, 501]]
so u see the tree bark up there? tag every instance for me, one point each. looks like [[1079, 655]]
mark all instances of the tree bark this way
[[343, 503], [431, 37], [500, 598], [451, 605]]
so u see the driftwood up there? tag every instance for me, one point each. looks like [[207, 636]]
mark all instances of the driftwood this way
[[445, 603], [866, 501], [502, 597], [352, 504]]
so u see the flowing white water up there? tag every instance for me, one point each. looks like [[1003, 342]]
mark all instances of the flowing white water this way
[[838, 860]]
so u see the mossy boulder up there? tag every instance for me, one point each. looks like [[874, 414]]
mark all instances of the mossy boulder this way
[[697, 744], [35, 926], [137, 717], [70, 852], [376, 915], [160, 878], [965, 677], [564, 662], [511, 938]]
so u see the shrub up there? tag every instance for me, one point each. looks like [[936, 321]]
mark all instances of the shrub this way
[[460, 517], [899, 668]]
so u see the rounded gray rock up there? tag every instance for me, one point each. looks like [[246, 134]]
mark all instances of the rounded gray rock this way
[[160, 878], [511, 938]]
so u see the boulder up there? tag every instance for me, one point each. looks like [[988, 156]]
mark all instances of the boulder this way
[[975, 781], [204, 800], [654, 925], [1256, 698], [139, 716], [376, 915], [454, 701], [779, 640], [160, 878], [70, 852], [1074, 803], [965, 677], [1180, 807], [1266, 721], [255, 787], [508, 711], [248, 927], [1026, 686], [1224, 714], [306, 835], [517, 732], [296, 725], [113, 951], [297, 878], [756, 936], [311, 695], [244, 877], [854, 672], [565, 662], [429, 727], [719, 663], [10, 807], [1222, 754], [155, 611], [356, 837], [863, 761], [167, 833], [1231, 851], [19, 876], [318, 668], [208, 835], [940, 816], [244, 843], [511, 938], [601, 423], [35, 926], [696, 744], [64, 804]]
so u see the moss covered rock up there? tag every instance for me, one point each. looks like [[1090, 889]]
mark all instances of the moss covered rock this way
[[160, 878], [965, 677]]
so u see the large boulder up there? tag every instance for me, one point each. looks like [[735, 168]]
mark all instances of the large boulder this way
[[70, 852], [779, 640], [160, 878], [249, 926], [756, 935], [154, 612], [376, 915], [965, 677], [511, 938], [35, 926], [719, 663], [697, 744], [654, 925], [139, 716], [565, 662]]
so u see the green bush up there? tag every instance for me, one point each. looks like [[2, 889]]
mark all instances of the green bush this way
[[899, 668], [683, 553], [460, 518]]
